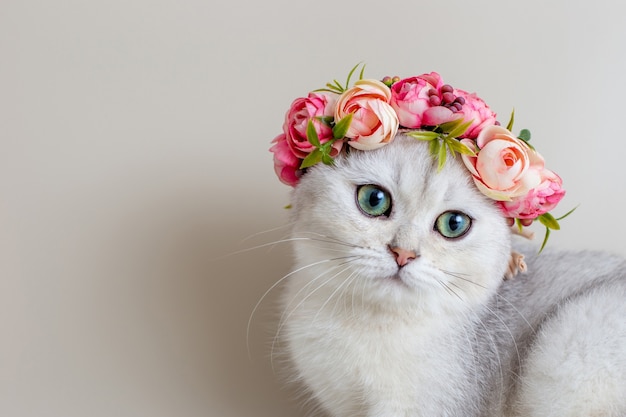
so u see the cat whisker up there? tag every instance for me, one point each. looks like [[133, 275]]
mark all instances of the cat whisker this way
[[276, 243], [315, 290], [323, 261], [471, 349], [345, 304], [460, 276], [494, 314], [448, 289], [329, 239], [346, 284], [288, 311], [496, 351], [285, 316], [354, 289], [363, 288], [327, 249], [256, 247], [330, 297], [263, 232], [532, 329]]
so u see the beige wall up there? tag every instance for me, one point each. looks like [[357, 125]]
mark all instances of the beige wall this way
[[133, 157]]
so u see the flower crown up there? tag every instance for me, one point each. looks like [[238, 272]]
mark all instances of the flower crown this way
[[369, 114]]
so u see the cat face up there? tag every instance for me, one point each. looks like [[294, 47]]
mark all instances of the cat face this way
[[386, 228]]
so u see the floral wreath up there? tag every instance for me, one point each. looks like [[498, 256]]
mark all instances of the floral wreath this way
[[367, 116]]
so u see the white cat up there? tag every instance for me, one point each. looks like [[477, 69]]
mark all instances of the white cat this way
[[397, 305]]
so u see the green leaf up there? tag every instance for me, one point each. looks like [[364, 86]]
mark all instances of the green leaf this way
[[327, 90], [465, 150], [509, 125], [288, 206], [327, 159], [434, 147], [333, 88], [524, 135], [549, 221], [339, 86], [448, 144], [311, 134], [460, 129], [424, 135], [551, 224], [545, 239], [350, 75], [362, 72], [567, 214], [459, 147], [327, 120], [311, 159], [449, 126], [325, 147], [442, 157], [341, 127], [519, 224]]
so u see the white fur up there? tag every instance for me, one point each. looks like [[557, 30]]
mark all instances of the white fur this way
[[443, 335], [577, 367]]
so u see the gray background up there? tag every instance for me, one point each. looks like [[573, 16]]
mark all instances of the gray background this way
[[134, 140]]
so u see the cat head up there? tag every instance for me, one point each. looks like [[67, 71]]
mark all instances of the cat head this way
[[390, 226], [411, 183]]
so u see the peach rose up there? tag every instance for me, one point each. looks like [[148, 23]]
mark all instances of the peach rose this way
[[374, 122], [504, 167]]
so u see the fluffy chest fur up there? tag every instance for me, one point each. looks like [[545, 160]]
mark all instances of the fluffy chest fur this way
[[368, 366]]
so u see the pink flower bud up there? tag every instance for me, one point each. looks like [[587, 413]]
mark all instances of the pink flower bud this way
[[475, 109], [538, 201], [286, 164], [302, 110], [410, 98]]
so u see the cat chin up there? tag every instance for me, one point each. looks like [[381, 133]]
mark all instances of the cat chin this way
[[399, 298]]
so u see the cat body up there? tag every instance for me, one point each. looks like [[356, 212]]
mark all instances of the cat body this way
[[386, 316]]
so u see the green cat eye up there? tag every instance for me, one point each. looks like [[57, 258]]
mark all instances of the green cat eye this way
[[453, 224], [373, 200]]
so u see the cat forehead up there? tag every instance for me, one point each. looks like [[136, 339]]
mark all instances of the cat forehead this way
[[406, 165]]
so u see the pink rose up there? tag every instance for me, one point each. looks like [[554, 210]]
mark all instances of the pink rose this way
[[297, 119], [538, 201], [474, 108], [374, 122], [410, 98], [286, 164], [504, 167]]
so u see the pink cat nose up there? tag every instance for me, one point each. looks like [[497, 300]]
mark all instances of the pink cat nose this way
[[403, 256]]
